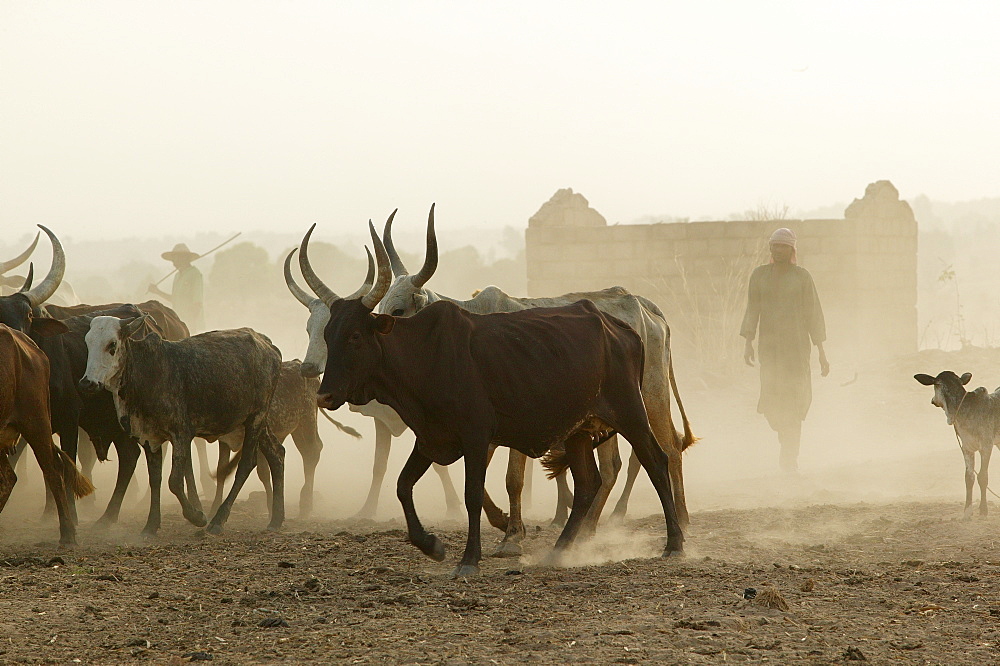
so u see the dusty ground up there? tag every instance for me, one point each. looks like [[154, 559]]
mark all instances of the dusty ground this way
[[906, 582]]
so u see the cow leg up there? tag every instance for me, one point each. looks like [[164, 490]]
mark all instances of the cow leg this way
[[69, 433], [635, 428], [383, 442], [220, 479], [529, 472], [180, 471], [7, 461], [415, 467], [192, 487], [662, 424], [494, 514], [475, 483], [201, 448], [154, 466], [450, 496], [55, 473], [621, 508], [88, 459], [264, 474], [510, 546], [564, 500], [586, 483], [128, 456], [274, 453], [984, 478], [970, 479], [309, 444], [610, 465]]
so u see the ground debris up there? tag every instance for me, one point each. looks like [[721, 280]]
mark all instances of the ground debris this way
[[769, 597]]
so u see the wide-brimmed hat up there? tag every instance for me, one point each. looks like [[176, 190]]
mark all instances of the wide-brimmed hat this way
[[180, 253]]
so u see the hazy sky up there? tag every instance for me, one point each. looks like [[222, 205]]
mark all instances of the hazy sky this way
[[138, 117]]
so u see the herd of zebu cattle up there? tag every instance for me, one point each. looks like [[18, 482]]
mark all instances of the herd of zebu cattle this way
[[550, 378]]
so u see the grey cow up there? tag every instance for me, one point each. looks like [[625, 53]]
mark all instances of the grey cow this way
[[205, 386]]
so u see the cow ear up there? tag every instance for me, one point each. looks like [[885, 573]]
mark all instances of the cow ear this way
[[966, 378], [926, 380], [47, 327], [384, 323], [420, 300]]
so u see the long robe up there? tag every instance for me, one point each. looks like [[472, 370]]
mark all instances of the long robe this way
[[783, 304], [187, 298]]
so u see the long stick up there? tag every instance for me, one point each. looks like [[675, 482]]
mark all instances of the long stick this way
[[199, 257]]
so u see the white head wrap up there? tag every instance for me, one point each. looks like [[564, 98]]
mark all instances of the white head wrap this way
[[784, 236]]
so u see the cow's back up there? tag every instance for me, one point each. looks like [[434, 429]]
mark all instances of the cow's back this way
[[543, 369]]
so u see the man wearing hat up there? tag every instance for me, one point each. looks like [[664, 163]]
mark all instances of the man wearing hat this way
[[187, 294], [784, 314]]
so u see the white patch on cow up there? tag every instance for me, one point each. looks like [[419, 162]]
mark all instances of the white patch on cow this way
[[104, 360], [319, 317]]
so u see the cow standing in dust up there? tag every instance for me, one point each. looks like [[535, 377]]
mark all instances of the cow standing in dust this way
[[532, 380], [24, 411], [975, 415], [204, 386], [387, 422], [408, 295]]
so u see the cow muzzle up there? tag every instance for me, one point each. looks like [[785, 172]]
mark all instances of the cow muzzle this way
[[88, 386], [327, 401]]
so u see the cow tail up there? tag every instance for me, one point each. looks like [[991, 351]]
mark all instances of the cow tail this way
[[80, 484], [689, 437], [340, 426], [224, 470], [554, 461]]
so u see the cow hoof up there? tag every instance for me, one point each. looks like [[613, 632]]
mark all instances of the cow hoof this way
[[508, 549], [103, 525], [274, 527], [667, 553], [148, 533], [214, 528], [558, 523], [433, 548], [465, 570]]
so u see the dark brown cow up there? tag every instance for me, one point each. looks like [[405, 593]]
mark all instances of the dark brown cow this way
[[530, 380], [24, 411]]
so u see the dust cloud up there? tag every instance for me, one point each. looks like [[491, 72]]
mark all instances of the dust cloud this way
[[871, 437]]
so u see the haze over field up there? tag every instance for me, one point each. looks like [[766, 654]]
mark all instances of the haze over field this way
[[142, 118], [131, 126]]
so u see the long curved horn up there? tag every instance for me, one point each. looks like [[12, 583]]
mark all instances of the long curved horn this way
[[298, 292], [48, 286], [325, 294], [19, 259], [28, 280], [431, 260], [371, 299], [369, 279], [397, 264]]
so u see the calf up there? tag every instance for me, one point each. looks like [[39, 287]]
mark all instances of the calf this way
[[204, 386], [24, 411], [529, 380], [975, 415]]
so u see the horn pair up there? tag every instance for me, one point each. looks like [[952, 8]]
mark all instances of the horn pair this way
[[43, 292], [430, 258]]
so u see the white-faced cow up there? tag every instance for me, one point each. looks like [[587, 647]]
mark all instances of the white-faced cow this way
[[408, 295], [531, 380], [975, 415], [24, 411], [204, 386], [387, 422]]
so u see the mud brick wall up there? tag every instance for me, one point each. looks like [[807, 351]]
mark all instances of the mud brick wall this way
[[864, 266]]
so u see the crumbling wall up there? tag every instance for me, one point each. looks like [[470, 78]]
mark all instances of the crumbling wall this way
[[864, 266]]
